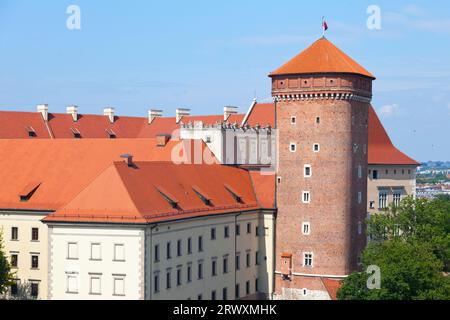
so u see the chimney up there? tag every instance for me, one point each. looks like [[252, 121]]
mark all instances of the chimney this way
[[162, 140], [43, 109], [110, 113], [182, 113], [129, 159], [228, 111], [73, 110], [153, 114]]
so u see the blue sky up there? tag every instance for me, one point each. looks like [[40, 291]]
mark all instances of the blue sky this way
[[135, 55]]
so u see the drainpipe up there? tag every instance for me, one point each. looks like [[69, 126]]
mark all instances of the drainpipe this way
[[151, 260]]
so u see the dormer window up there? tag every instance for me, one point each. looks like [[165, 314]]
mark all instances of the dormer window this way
[[169, 198], [234, 193], [29, 190], [76, 133], [111, 134], [31, 132], [203, 195]]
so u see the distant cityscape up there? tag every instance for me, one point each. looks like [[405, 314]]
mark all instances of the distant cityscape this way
[[433, 179]]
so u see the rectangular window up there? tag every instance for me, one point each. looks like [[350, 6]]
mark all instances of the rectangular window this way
[[224, 294], [72, 251], [156, 283], [157, 255], [318, 120], [168, 251], [249, 227], [179, 280], [247, 288], [360, 172], [237, 291], [34, 289], [200, 270], [257, 258], [189, 246], [256, 285], [119, 252], [214, 268], [372, 204], [200, 244], [359, 227], [375, 174], [213, 233], [14, 288], [248, 260], [119, 286], [14, 233], [397, 199], [238, 262], [293, 120], [95, 285], [225, 265], [360, 197], [168, 279], [14, 260], [316, 147], [238, 230], [306, 197], [306, 228], [189, 273], [179, 248], [382, 203], [226, 232], [34, 234], [307, 171], [308, 259], [96, 251], [200, 297], [293, 147], [213, 295], [34, 262], [72, 283]]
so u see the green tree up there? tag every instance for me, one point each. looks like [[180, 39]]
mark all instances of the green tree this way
[[5, 269], [410, 244]]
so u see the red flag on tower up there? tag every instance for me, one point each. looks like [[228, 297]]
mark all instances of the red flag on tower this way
[[324, 25]]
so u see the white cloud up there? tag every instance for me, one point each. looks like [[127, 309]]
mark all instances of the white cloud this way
[[389, 110]]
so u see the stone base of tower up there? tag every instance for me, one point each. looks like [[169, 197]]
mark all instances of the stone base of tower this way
[[299, 287]]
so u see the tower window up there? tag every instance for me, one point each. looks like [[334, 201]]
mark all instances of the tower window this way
[[316, 147], [360, 197], [293, 120], [306, 197], [279, 180], [308, 259], [293, 147], [318, 120], [307, 171], [359, 227], [306, 228], [360, 172]]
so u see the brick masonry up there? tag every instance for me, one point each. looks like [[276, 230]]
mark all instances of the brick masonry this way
[[335, 210]]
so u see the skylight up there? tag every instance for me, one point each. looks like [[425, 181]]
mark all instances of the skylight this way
[[203, 195], [234, 193]]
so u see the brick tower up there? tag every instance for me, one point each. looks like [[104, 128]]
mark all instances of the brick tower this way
[[322, 100]]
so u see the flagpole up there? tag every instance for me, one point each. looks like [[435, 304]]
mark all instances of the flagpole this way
[[323, 27]]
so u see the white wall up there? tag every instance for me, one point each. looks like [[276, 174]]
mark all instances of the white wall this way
[[24, 247], [132, 268]]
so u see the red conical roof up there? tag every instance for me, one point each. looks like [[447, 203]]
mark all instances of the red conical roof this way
[[322, 57]]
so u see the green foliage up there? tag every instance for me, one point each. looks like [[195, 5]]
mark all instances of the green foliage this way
[[411, 245], [5, 269]]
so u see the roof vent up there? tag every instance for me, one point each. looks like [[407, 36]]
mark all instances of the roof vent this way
[[28, 191], [43, 110], [228, 111], [153, 114], [73, 111], [109, 112], [111, 133], [76, 133], [129, 160], [31, 132], [169, 197], [182, 113], [237, 197], [202, 195]]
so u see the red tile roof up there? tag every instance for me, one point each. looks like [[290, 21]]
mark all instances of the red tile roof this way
[[13, 125], [381, 150], [332, 286], [137, 194], [64, 167], [264, 186], [322, 57]]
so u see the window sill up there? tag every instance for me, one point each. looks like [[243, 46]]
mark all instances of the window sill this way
[[95, 260], [95, 294], [68, 292], [118, 295], [119, 261]]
